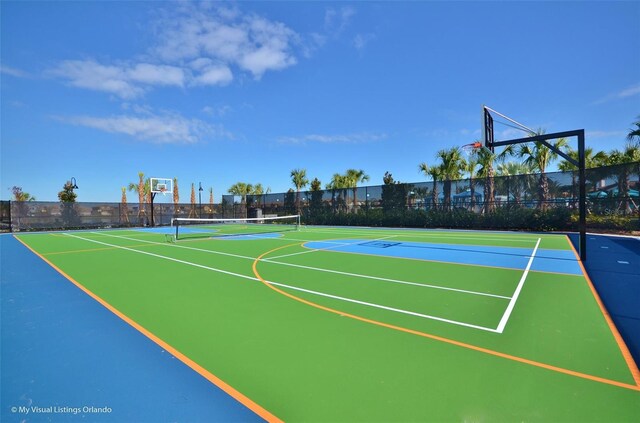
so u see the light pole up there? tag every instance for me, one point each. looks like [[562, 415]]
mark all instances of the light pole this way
[[73, 182], [200, 197]]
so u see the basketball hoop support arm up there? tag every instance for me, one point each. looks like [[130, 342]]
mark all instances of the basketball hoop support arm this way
[[580, 164]]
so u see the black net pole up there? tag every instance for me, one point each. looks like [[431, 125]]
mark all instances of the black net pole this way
[[582, 199]]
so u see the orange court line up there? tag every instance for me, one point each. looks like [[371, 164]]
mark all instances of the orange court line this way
[[436, 337], [247, 402], [633, 368]]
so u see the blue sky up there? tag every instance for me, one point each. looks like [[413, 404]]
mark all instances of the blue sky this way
[[225, 92]]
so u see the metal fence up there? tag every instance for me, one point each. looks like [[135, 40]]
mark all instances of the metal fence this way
[[39, 215], [612, 192]]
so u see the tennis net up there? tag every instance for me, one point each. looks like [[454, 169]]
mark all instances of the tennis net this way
[[186, 228]]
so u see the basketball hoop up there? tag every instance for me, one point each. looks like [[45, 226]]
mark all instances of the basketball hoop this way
[[469, 149]]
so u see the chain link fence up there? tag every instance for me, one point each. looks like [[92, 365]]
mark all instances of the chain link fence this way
[[39, 215], [546, 201]]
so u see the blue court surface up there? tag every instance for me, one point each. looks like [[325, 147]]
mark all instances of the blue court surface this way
[[556, 261], [60, 348], [613, 263]]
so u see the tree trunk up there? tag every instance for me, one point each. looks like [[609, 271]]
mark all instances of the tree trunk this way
[[543, 192], [472, 190]]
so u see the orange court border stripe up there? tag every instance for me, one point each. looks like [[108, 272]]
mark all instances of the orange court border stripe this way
[[437, 337], [240, 397], [614, 330]]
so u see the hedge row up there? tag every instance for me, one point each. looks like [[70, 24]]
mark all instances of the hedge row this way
[[512, 218]]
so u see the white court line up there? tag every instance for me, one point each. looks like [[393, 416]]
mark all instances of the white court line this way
[[357, 275], [514, 297], [397, 310], [387, 279], [160, 256]]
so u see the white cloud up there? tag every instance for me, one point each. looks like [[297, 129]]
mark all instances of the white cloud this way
[[204, 44], [129, 81], [624, 93], [13, 71], [215, 75], [336, 20], [196, 45], [92, 75], [227, 37], [217, 111], [360, 41], [166, 128], [146, 73], [266, 58], [628, 92], [357, 138]]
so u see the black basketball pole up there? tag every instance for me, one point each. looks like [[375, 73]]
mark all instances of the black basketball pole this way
[[153, 196]]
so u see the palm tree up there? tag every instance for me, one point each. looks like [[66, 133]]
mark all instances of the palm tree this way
[[435, 173], [634, 134], [257, 193], [299, 180], [420, 193], [141, 187], [627, 160], [451, 167], [241, 189], [486, 160], [176, 197], [124, 210], [211, 205], [315, 202], [538, 157], [338, 184], [20, 196], [192, 213], [517, 177], [354, 177], [590, 161], [470, 167]]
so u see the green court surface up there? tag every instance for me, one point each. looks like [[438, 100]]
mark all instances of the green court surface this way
[[360, 324]]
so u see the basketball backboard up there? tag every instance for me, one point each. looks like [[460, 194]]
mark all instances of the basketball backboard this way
[[487, 128], [488, 136], [161, 185]]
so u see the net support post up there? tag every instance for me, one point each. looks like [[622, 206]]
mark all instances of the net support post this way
[[582, 198]]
